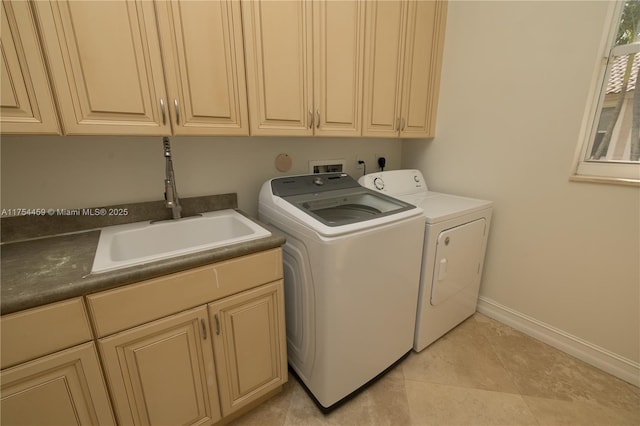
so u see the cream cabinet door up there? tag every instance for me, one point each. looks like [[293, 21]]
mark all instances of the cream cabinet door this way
[[384, 54], [403, 56], [162, 373], [249, 344], [304, 67], [423, 60], [279, 66], [204, 66], [65, 388], [106, 66], [338, 47], [26, 103]]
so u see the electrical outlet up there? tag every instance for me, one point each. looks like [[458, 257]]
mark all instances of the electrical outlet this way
[[359, 166], [376, 156]]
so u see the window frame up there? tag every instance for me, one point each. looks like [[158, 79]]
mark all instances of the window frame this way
[[604, 172]]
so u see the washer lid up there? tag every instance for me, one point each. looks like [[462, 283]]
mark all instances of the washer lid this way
[[336, 199], [341, 207]]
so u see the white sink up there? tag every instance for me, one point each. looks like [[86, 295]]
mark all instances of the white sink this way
[[131, 244]]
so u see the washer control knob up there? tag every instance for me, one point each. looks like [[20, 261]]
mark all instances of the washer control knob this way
[[378, 183], [416, 178], [318, 181]]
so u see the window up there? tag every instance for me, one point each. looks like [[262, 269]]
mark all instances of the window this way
[[611, 138]]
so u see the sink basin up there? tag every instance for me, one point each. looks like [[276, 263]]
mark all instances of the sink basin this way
[[132, 244]]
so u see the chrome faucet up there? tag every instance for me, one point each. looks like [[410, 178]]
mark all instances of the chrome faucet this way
[[170, 193]]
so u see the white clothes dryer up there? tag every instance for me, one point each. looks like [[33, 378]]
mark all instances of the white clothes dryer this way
[[351, 275], [455, 241]]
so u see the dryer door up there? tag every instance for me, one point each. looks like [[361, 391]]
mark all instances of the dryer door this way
[[458, 259]]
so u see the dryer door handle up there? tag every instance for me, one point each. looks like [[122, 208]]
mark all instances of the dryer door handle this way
[[442, 269]]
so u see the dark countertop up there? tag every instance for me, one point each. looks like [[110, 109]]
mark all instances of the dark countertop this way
[[48, 269]]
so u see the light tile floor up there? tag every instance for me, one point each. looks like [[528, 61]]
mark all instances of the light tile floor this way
[[480, 373]]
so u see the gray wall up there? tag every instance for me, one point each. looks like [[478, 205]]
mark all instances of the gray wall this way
[[70, 172]]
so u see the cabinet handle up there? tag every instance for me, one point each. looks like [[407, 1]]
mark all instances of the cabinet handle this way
[[204, 329], [164, 114], [402, 125], [397, 126], [215, 317], [318, 122], [175, 104], [310, 119]]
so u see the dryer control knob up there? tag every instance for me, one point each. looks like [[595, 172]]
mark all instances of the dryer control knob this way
[[378, 183], [416, 178]]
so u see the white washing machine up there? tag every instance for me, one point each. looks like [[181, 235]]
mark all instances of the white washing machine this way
[[455, 241], [351, 275]]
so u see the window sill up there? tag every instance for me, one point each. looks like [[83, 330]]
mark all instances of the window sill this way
[[606, 180]]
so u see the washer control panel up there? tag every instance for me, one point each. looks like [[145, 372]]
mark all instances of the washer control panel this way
[[308, 184]]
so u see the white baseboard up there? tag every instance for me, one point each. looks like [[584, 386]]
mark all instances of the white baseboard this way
[[612, 363]]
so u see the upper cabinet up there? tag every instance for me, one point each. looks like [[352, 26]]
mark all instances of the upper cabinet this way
[[304, 67], [162, 68], [338, 51], [204, 66], [106, 65], [403, 57], [279, 62], [26, 102]]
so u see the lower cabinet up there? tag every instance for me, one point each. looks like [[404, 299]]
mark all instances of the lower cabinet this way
[[163, 372], [190, 348], [249, 343], [169, 371], [64, 388], [168, 363]]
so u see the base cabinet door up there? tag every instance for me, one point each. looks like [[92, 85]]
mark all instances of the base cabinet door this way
[[162, 373], [65, 388], [249, 344]]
